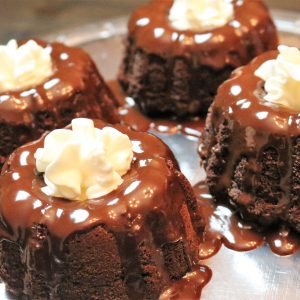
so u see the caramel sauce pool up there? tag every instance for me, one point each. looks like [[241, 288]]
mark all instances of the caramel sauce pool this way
[[225, 226], [190, 286]]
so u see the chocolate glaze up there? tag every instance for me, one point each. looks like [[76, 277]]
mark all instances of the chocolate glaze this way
[[130, 114], [146, 180], [240, 98], [227, 45], [225, 226], [74, 73]]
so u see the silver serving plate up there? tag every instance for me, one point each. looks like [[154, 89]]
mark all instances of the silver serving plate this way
[[257, 274]]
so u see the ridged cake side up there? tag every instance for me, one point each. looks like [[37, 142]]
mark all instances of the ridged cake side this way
[[164, 85]]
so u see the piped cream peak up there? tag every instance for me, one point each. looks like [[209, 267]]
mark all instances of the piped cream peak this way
[[85, 162], [282, 78], [24, 66]]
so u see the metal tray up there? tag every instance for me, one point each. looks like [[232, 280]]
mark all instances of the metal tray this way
[[257, 274]]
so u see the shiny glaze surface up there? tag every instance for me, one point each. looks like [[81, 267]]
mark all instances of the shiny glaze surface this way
[[148, 185], [241, 99], [190, 286], [72, 75], [227, 45], [225, 226]]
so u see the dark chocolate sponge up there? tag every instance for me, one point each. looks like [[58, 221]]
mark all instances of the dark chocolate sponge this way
[[132, 244], [251, 150], [75, 89], [177, 73]]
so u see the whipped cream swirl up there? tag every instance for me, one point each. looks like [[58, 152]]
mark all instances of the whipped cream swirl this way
[[25, 66], [282, 78], [200, 15], [85, 162]]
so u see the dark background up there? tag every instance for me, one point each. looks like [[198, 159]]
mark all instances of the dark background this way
[[35, 18]]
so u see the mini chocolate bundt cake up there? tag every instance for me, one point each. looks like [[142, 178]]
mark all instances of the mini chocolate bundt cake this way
[[176, 55], [128, 242], [251, 144], [45, 87]]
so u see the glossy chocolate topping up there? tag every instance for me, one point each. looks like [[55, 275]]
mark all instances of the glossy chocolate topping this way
[[148, 185], [227, 45], [241, 99], [74, 74]]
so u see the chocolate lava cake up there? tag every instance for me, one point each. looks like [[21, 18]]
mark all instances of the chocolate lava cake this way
[[128, 244], [74, 89], [251, 149], [177, 72]]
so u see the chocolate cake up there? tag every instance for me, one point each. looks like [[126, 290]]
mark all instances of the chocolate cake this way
[[128, 244], [177, 72], [251, 149], [75, 89]]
